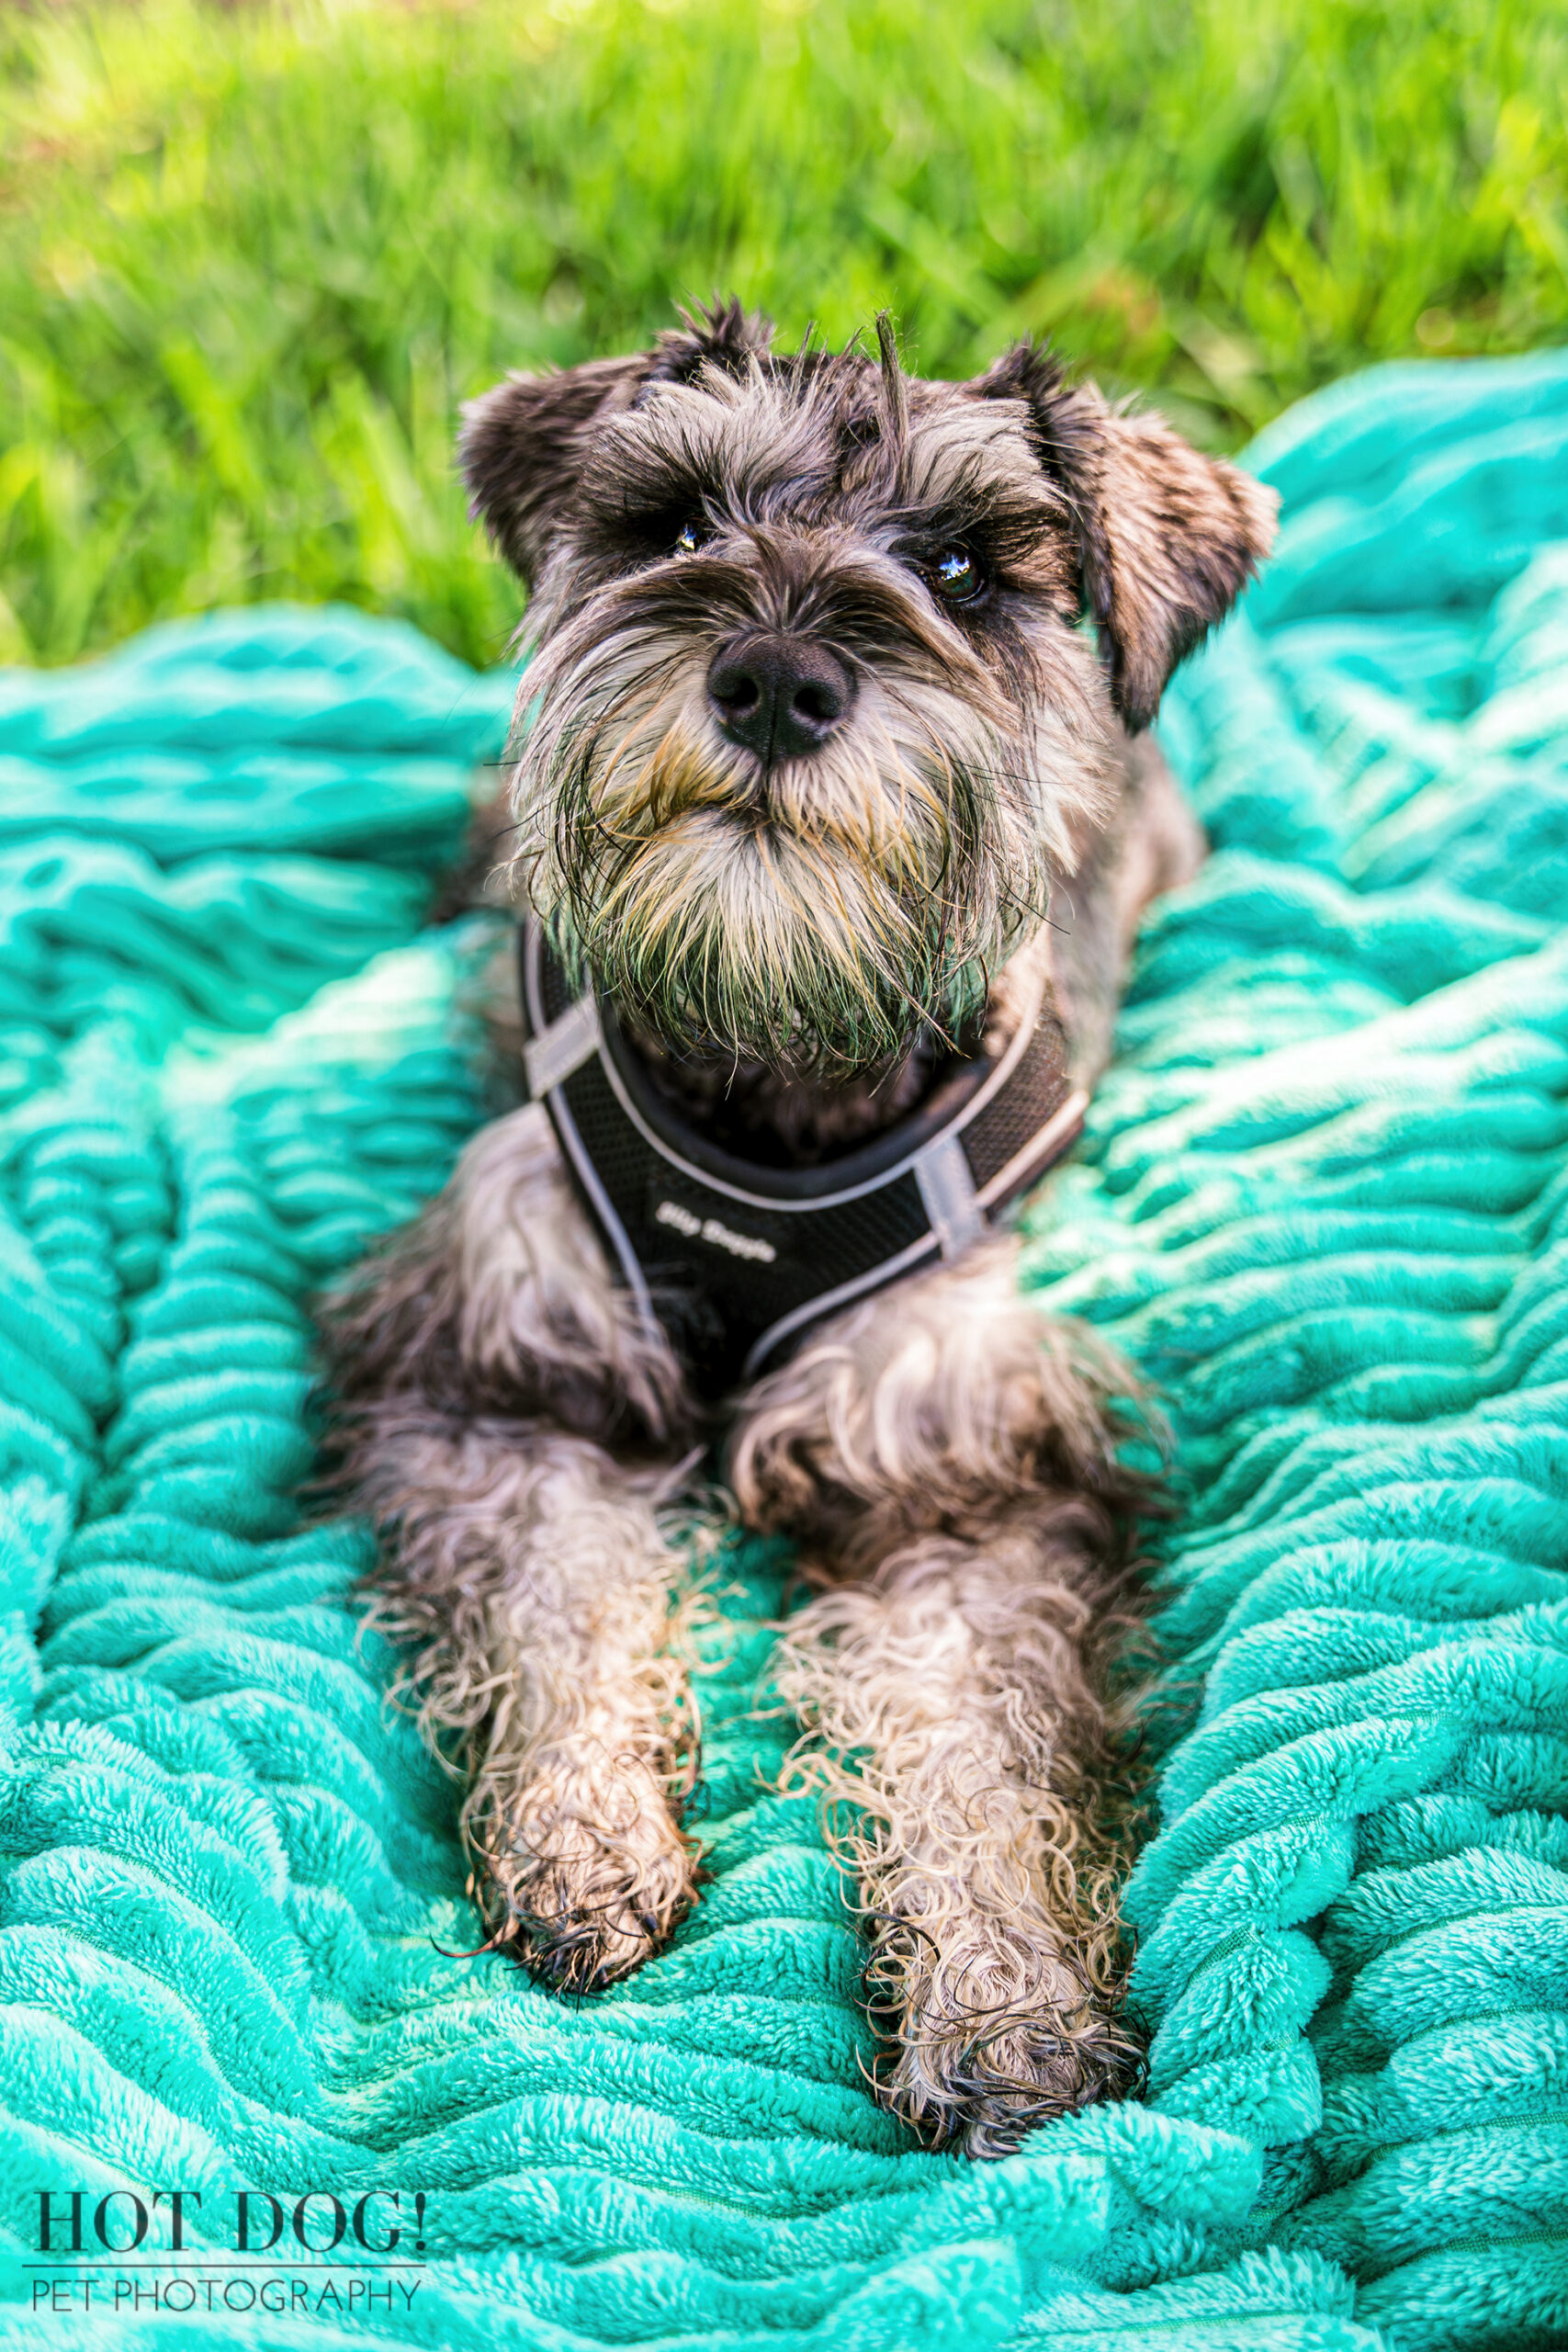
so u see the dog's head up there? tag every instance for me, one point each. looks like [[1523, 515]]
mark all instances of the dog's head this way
[[812, 720]]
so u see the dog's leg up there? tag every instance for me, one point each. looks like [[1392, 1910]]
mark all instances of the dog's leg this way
[[529, 1571], [944, 1455], [954, 1676], [484, 1360]]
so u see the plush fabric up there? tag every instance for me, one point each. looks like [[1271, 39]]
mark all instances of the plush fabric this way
[[1322, 1201]]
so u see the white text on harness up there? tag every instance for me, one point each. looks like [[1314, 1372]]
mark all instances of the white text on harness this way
[[708, 1228]]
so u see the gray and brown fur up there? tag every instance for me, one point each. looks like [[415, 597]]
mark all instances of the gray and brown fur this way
[[796, 935]]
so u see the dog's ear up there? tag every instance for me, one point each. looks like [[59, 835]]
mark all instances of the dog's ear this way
[[523, 446], [1166, 539]]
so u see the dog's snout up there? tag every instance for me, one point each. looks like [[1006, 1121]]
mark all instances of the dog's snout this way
[[780, 696]]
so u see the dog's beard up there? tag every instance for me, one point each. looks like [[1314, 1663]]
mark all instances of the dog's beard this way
[[818, 919]]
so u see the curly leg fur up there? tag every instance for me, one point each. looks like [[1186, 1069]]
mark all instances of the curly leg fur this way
[[531, 1576], [954, 1678], [946, 1453], [524, 1561]]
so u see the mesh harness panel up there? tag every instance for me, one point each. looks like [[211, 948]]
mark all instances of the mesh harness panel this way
[[734, 1260]]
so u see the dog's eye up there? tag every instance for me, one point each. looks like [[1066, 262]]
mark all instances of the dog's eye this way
[[956, 577], [693, 534]]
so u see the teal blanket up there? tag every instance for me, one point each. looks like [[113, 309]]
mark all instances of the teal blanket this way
[[1322, 1201]]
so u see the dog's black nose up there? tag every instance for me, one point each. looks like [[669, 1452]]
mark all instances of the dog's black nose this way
[[781, 696]]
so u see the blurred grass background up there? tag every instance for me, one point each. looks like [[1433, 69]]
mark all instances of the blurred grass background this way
[[252, 259]]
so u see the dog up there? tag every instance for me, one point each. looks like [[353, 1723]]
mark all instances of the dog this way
[[831, 790]]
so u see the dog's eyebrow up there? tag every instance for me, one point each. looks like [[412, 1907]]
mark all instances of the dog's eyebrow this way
[[971, 507], [740, 445], [964, 473], [967, 450]]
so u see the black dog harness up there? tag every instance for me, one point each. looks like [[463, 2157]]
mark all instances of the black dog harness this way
[[735, 1259]]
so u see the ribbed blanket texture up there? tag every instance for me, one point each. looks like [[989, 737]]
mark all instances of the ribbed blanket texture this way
[[1322, 1201]]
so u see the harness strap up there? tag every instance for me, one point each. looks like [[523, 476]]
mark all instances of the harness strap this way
[[549, 1060], [734, 1259]]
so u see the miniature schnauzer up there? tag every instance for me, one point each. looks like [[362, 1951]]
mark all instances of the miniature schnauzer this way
[[837, 685]]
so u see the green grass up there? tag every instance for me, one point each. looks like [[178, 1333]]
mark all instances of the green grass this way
[[251, 260]]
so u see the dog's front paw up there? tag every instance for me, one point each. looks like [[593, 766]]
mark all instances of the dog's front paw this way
[[584, 1872], [986, 2033]]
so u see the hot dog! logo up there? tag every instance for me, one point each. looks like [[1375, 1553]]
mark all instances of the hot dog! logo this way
[[312, 2253]]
